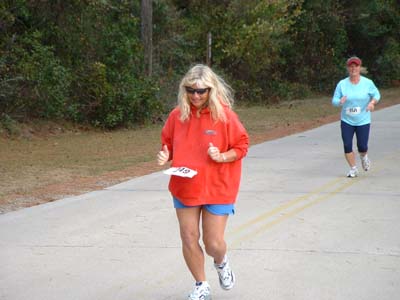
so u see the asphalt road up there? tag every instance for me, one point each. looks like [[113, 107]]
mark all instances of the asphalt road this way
[[302, 230]]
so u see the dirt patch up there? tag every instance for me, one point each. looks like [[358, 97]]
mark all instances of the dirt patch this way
[[290, 129], [76, 186]]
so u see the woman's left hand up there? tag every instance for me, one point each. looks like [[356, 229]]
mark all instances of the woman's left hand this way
[[214, 153], [371, 106]]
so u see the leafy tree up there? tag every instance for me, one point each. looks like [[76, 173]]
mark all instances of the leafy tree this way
[[252, 50], [32, 78], [84, 60], [373, 29], [247, 38], [75, 59], [314, 55]]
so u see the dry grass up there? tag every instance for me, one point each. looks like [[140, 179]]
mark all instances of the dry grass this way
[[38, 161], [44, 166]]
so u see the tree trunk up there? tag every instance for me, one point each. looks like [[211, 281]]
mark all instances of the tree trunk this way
[[147, 34]]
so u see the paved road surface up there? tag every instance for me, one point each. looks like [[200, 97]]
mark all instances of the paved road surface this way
[[302, 231]]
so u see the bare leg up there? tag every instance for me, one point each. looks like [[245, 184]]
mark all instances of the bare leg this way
[[362, 154], [213, 235], [189, 220], [350, 158]]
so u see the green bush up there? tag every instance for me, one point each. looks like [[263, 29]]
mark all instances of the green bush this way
[[388, 64], [9, 125], [110, 105], [48, 79], [33, 81]]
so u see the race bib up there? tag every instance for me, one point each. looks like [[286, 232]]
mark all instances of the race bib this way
[[352, 111], [181, 172]]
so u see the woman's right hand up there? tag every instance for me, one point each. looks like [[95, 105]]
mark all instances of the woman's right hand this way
[[163, 156], [343, 100]]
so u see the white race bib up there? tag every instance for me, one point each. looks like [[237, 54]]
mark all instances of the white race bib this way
[[352, 111], [181, 171]]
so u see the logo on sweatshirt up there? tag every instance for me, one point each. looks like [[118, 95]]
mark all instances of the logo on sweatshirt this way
[[210, 132]]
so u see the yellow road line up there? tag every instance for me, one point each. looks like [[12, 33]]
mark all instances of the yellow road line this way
[[273, 217], [284, 206], [289, 214]]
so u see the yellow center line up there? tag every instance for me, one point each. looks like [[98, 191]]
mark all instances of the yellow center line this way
[[287, 215], [273, 215], [293, 202], [270, 218]]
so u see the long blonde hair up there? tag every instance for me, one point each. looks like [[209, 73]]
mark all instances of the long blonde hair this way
[[220, 94]]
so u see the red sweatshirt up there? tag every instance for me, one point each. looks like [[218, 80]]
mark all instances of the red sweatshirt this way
[[188, 143]]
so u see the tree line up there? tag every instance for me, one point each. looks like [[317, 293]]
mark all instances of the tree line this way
[[88, 61]]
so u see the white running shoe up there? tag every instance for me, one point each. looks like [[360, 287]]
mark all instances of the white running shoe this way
[[225, 274], [353, 172], [201, 291], [365, 162]]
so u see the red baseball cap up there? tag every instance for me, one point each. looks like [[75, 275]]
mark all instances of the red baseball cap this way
[[353, 60]]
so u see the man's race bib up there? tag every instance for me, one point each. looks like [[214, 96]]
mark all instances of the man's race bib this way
[[181, 171], [352, 111]]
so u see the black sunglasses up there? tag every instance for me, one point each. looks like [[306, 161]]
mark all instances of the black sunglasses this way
[[198, 91]]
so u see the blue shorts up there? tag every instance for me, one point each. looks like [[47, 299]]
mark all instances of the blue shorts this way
[[215, 209]]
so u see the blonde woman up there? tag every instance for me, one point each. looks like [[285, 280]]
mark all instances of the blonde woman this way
[[204, 137]]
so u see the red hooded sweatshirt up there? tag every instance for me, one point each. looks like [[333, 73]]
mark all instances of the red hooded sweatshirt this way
[[188, 143]]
